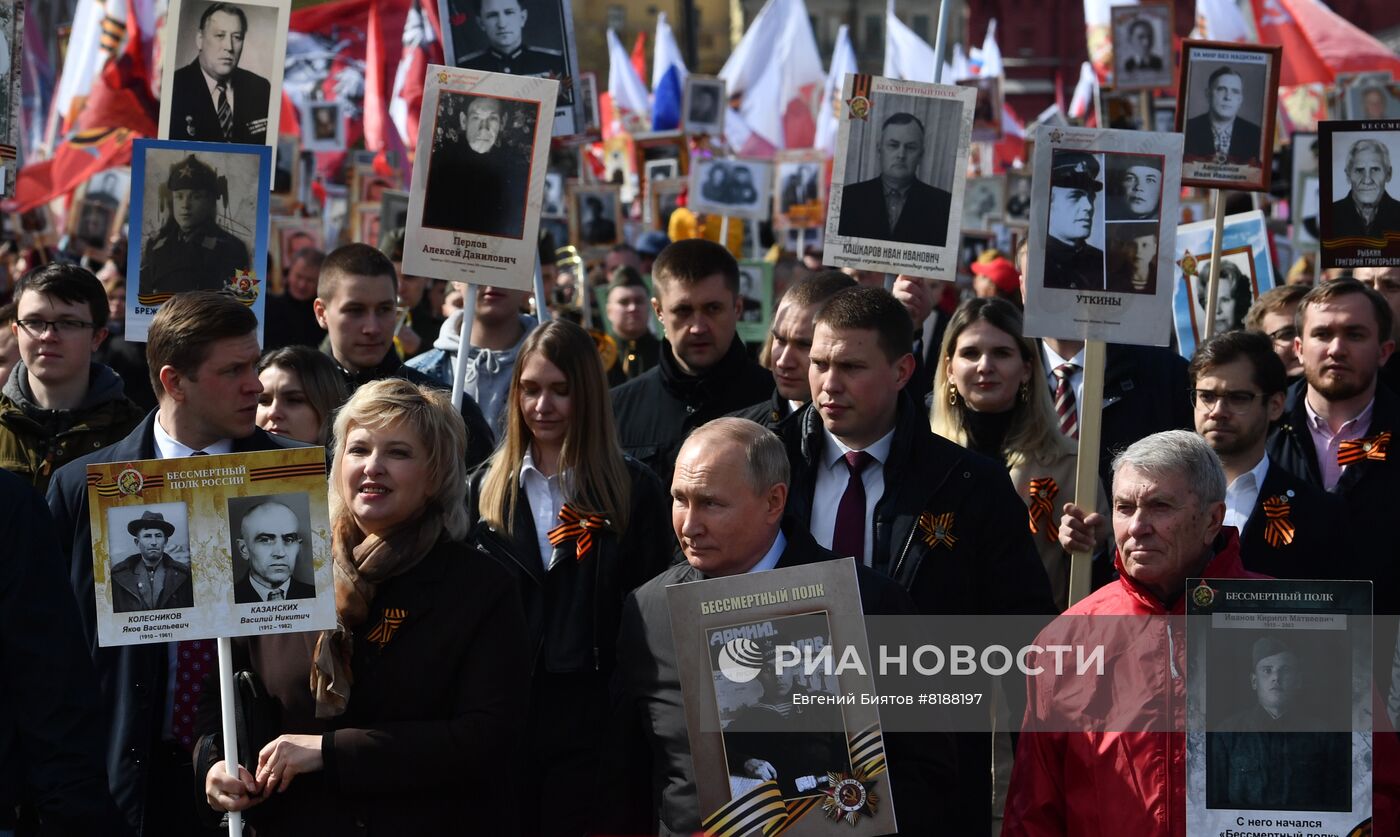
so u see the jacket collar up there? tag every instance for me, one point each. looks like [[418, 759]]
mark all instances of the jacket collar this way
[[1225, 564], [907, 423], [698, 388]]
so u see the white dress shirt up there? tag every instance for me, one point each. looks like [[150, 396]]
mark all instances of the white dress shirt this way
[[1243, 493], [832, 478], [1053, 361], [770, 559], [263, 590], [546, 498], [167, 447]]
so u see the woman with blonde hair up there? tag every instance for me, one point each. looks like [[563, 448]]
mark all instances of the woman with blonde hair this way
[[989, 396], [579, 525], [418, 692]]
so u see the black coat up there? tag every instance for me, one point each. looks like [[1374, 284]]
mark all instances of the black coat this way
[[437, 708], [290, 322], [656, 411], [51, 731], [194, 117], [923, 220], [1146, 390], [771, 413], [131, 679], [1346, 221], [1245, 143], [498, 183], [1317, 535], [244, 592], [648, 772]]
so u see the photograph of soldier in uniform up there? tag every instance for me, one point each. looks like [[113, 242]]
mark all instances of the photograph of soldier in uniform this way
[[216, 91], [98, 206], [1235, 292], [190, 245], [1225, 107], [487, 142], [739, 188], [1142, 37], [596, 216], [1134, 185], [1073, 251], [150, 557], [1131, 252], [271, 548], [1282, 749], [704, 105], [1018, 198], [554, 195]]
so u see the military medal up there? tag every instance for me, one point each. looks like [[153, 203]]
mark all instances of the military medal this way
[[850, 796]]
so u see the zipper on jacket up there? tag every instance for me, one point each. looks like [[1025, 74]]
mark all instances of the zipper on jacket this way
[[905, 551]]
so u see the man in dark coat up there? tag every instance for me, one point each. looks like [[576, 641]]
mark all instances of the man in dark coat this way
[[1220, 135], [503, 23], [498, 177], [150, 579], [203, 352], [897, 206], [1367, 210], [51, 733], [215, 100], [1071, 262], [726, 526], [192, 252], [704, 372]]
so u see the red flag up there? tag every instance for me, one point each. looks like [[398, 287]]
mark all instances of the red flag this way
[[289, 123], [1318, 43], [639, 55], [382, 49], [73, 162]]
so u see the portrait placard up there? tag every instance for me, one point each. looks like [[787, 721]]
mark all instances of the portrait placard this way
[[1359, 195], [661, 169], [1226, 105], [393, 210], [1373, 99], [799, 197], [211, 546], [733, 187], [703, 105], [1304, 202], [99, 206], [1102, 232], [289, 237], [491, 131], [1278, 703], [1246, 271], [367, 227], [199, 222], [1017, 208], [527, 38], [11, 92], [663, 198], [983, 199], [753, 710], [755, 300], [595, 217], [905, 132], [1142, 46], [655, 146], [986, 113], [323, 127], [213, 89]]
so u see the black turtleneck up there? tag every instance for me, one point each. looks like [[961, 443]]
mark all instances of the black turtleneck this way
[[698, 388], [986, 432]]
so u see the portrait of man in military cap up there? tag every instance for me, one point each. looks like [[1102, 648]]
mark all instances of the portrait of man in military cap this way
[[146, 576], [1071, 262], [213, 98], [191, 251], [516, 37]]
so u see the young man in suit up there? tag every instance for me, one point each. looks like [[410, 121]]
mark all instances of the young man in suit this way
[[214, 99]]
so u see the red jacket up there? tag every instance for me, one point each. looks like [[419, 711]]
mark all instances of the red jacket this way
[[1099, 781]]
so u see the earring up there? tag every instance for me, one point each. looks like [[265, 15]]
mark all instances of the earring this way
[[1025, 391], [952, 394]]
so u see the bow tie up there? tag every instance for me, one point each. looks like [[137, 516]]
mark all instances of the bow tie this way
[[1372, 447], [580, 527]]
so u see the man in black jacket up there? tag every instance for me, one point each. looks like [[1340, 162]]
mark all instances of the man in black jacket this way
[[731, 491], [215, 100], [202, 348], [51, 732], [897, 205], [872, 480], [704, 372]]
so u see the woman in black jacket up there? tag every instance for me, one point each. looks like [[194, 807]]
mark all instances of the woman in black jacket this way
[[580, 526]]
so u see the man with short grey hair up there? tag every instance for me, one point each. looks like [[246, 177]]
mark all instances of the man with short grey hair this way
[[1367, 209], [1168, 508]]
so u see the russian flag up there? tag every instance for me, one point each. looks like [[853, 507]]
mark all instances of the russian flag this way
[[668, 74]]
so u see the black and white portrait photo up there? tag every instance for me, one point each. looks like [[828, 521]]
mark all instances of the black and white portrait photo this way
[[271, 548], [799, 193], [738, 188], [986, 114], [982, 201], [393, 209], [1017, 208], [554, 195], [1359, 193], [1134, 185], [487, 142], [1304, 205], [1373, 101], [596, 215], [1074, 245], [798, 184], [1130, 253], [323, 127], [1225, 108], [704, 105], [588, 103], [1142, 46], [1236, 290], [661, 169], [98, 205], [225, 70], [150, 557]]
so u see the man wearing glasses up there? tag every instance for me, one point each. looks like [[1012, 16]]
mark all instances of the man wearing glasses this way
[[270, 543], [1272, 315], [58, 404]]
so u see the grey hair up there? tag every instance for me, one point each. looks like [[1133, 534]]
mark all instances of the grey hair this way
[[763, 452], [1178, 452], [1372, 146]]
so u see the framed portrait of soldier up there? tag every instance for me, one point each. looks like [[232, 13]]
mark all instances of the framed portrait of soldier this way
[[595, 215], [662, 198], [1102, 233], [532, 38], [983, 199], [590, 121], [491, 131], [323, 126], [898, 177], [1246, 271], [661, 169], [734, 187], [1359, 194], [1142, 46], [986, 113], [223, 65], [1304, 203], [799, 192], [1226, 105], [393, 209], [99, 206], [1278, 712], [199, 222], [11, 93], [656, 146], [703, 104], [778, 745], [555, 197]]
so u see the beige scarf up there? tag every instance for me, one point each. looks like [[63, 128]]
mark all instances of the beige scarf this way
[[361, 564]]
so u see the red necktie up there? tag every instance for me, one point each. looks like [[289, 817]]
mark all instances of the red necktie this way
[[849, 536], [195, 658], [1065, 408]]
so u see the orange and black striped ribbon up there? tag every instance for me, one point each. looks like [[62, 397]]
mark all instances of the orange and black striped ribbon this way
[[1042, 507], [580, 527], [1278, 531], [1372, 447], [937, 529], [385, 630]]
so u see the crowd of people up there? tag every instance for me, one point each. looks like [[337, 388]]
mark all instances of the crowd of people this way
[[503, 659]]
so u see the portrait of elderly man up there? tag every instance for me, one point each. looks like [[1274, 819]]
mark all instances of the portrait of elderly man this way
[[473, 154], [896, 205], [1071, 262], [192, 252], [1140, 48], [1134, 187], [150, 579], [270, 542], [1367, 209], [1221, 135], [503, 24], [1275, 754], [214, 99]]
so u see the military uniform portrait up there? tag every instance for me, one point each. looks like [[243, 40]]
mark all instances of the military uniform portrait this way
[[271, 548], [737, 188], [1142, 46], [191, 250], [483, 143], [704, 105], [150, 557], [595, 216], [222, 83], [1074, 243], [98, 206]]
